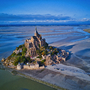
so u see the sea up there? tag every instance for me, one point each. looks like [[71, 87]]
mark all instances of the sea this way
[[13, 36]]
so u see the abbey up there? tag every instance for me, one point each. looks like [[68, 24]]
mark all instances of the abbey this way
[[34, 43]]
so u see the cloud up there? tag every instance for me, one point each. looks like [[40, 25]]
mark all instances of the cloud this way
[[27, 19], [7, 17]]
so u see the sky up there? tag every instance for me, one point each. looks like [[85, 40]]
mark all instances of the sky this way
[[44, 11]]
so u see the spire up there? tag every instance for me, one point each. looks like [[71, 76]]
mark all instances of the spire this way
[[36, 28], [36, 32]]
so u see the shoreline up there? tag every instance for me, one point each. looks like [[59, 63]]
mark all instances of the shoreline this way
[[41, 81], [58, 79], [87, 30], [28, 76]]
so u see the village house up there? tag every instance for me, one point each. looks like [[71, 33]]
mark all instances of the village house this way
[[19, 66], [29, 66], [17, 51]]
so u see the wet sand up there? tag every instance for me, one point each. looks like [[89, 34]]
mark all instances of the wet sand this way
[[57, 78]]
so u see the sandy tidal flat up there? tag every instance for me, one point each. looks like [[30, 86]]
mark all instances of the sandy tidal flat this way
[[69, 70]]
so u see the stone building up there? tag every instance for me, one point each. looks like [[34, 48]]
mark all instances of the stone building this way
[[34, 43], [31, 66], [18, 51], [19, 66], [56, 59]]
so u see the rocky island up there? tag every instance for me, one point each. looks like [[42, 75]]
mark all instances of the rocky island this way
[[35, 53]]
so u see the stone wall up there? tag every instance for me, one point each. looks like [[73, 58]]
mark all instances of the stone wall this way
[[31, 51], [42, 42], [31, 66]]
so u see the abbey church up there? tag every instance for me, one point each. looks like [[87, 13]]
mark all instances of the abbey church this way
[[34, 43]]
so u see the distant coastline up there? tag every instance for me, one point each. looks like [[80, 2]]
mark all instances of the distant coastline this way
[[87, 30]]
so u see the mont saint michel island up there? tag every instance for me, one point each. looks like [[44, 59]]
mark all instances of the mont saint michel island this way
[[35, 53]]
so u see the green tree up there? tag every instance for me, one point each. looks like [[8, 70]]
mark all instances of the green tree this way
[[20, 46], [23, 59], [38, 51], [55, 49], [39, 45], [51, 48], [13, 54], [42, 48], [16, 61], [24, 51], [28, 59], [19, 54], [44, 52], [42, 62], [46, 46], [40, 56], [52, 53]]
